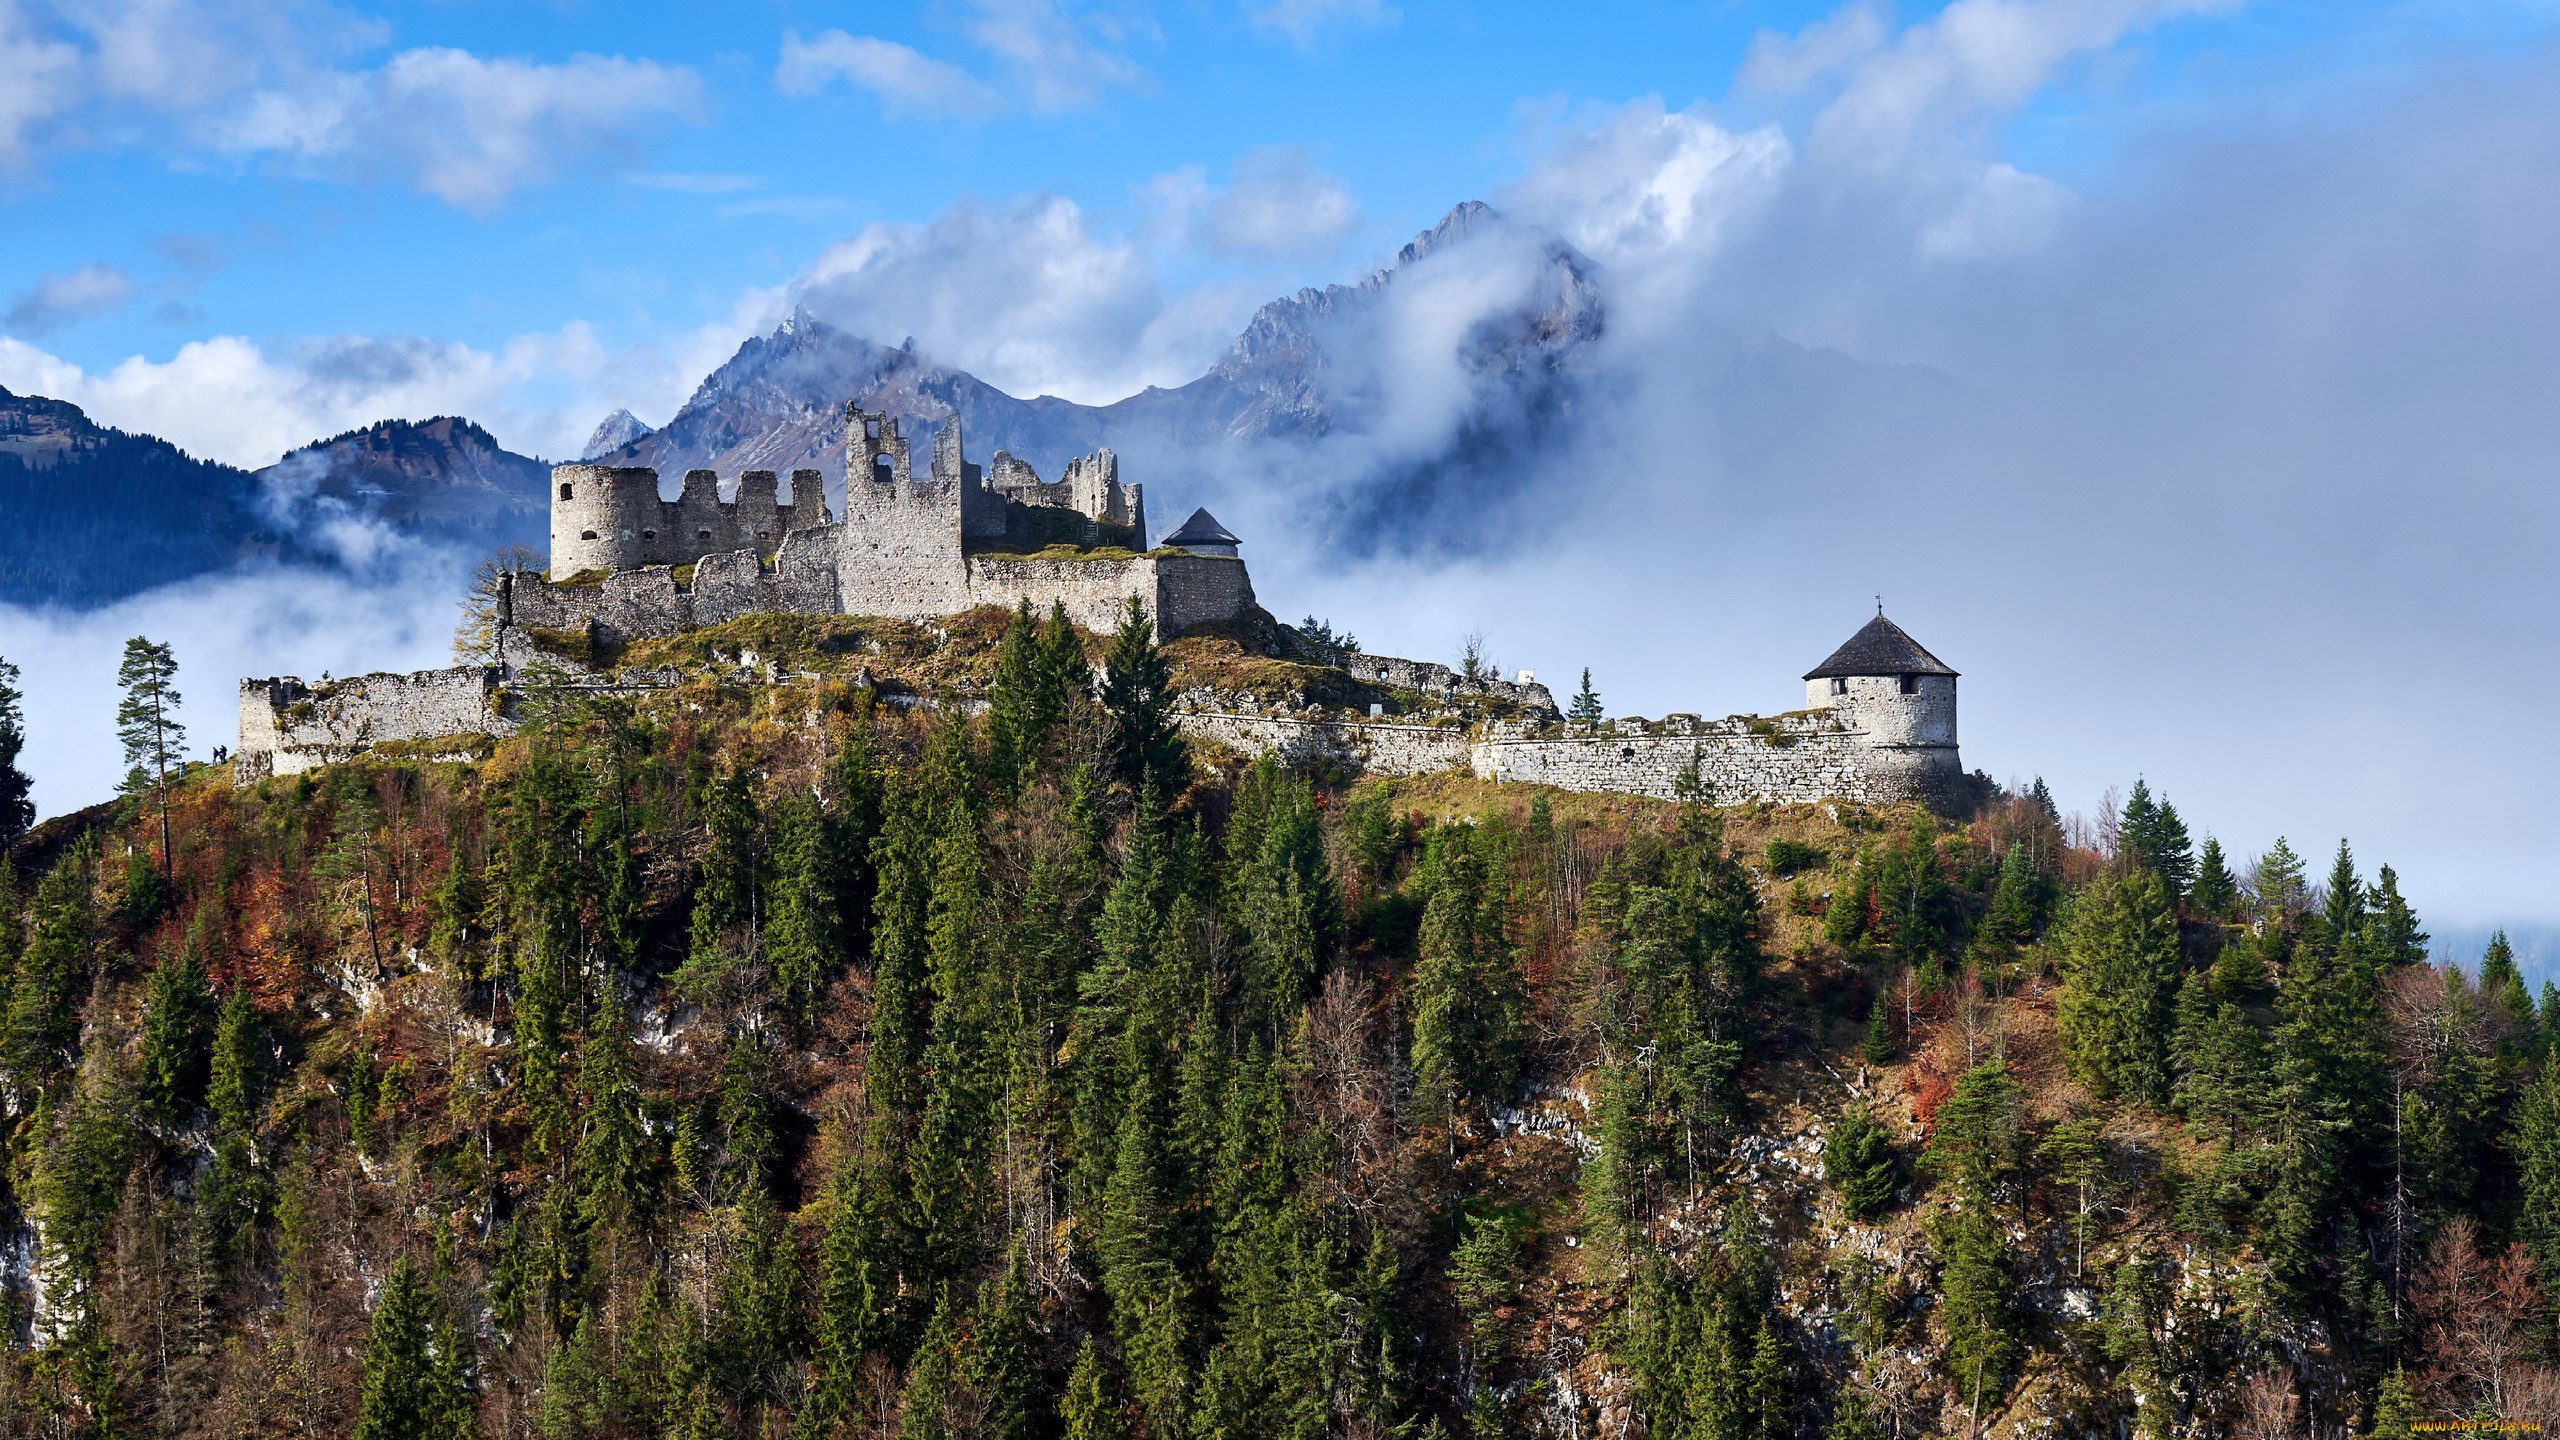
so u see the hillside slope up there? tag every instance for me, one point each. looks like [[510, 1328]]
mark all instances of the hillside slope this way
[[764, 1063]]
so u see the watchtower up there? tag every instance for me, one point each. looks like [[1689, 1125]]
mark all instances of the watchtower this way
[[597, 515], [1883, 683]]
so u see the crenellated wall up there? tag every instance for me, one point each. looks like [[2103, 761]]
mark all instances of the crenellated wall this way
[[609, 518]]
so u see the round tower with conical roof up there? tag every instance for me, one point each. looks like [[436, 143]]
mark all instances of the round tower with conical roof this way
[[1886, 686]]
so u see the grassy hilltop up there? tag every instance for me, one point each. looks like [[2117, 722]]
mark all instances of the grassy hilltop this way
[[756, 1061]]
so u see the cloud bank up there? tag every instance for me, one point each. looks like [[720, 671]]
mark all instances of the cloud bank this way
[[267, 82]]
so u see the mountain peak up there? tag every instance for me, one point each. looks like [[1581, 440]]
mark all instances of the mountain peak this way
[[1463, 220], [619, 429]]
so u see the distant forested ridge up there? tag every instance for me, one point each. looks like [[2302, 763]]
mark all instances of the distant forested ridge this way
[[768, 1064], [95, 514]]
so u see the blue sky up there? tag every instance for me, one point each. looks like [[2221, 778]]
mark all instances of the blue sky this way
[[2235, 328], [194, 171]]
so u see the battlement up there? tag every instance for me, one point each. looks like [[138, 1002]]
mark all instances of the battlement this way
[[611, 518]]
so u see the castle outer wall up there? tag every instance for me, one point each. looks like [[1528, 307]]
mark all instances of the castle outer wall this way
[[805, 578], [287, 727], [1784, 759]]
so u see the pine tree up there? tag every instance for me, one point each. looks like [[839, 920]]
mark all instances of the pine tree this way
[[147, 725], [1586, 711], [1858, 1160], [1146, 752], [17, 809], [2120, 967], [2277, 884]]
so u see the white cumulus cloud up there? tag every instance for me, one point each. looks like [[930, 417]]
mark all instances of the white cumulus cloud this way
[[1026, 294], [907, 81], [1301, 20], [273, 80], [74, 295], [1047, 60]]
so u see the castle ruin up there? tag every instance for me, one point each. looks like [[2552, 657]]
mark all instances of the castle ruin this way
[[1878, 724], [626, 563]]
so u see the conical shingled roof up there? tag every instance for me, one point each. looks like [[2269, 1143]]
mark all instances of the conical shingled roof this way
[[1201, 529], [1879, 648]]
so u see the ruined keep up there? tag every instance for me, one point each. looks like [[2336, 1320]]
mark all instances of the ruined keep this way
[[626, 563]]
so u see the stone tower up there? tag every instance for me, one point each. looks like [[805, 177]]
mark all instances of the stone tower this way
[[598, 514], [901, 552], [1902, 697]]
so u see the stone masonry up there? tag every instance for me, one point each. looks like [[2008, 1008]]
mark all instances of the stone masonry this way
[[1880, 739], [627, 564]]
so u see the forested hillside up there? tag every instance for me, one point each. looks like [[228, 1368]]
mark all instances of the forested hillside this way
[[770, 1063]]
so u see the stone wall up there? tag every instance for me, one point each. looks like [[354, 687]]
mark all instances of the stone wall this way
[[804, 579], [1782, 759], [287, 726], [1441, 682], [1372, 747]]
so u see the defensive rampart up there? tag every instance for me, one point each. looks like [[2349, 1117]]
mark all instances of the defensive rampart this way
[[1181, 591], [1781, 759]]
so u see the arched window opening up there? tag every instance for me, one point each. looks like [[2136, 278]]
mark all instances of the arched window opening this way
[[586, 534], [564, 489]]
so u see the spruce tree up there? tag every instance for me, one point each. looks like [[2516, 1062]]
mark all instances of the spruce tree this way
[[1091, 1409], [1857, 1158], [2120, 966], [1018, 706], [17, 808], [1146, 752], [1975, 1282], [2215, 894], [804, 932], [1586, 711], [2533, 1144], [1877, 1048], [177, 1035], [1981, 1131], [236, 1087], [1467, 1000], [726, 883], [407, 1394]]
